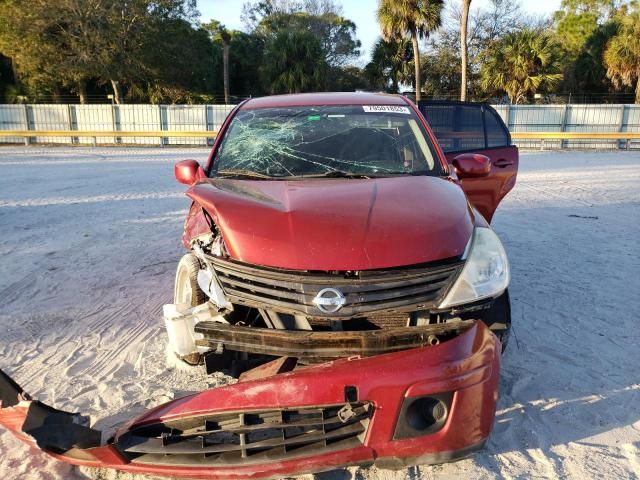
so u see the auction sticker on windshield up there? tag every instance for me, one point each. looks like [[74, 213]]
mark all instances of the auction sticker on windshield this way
[[386, 109]]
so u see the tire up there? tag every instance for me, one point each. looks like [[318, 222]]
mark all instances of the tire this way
[[499, 319], [186, 289]]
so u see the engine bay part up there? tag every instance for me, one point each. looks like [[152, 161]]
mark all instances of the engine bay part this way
[[209, 283], [180, 321], [313, 347]]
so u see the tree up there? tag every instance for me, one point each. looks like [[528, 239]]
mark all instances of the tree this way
[[320, 19], [498, 19], [347, 79], [69, 42], [337, 35], [245, 58], [622, 55], [464, 23], [295, 63], [391, 64], [588, 73], [577, 20], [184, 70], [29, 35], [442, 73], [219, 31], [442, 66], [582, 30], [413, 18], [521, 64]]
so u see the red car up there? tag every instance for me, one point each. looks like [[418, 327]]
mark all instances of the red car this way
[[344, 269]]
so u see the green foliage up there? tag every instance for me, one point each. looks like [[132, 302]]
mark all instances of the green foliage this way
[[295, 63], [583, 28], [441, 61], [410, 18], [622, 54], [155, 50], [328, 43], [442, 73], [401, 18], [335, 33], [579, 31], [347, 79], [521, 64], [391, 64], [246, 55], [65, 43], [182, 70], [576, 22], [587, 73]]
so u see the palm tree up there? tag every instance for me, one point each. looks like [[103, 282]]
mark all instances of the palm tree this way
[[225, 36], [296, 63], [219, 32], [413, 18], [521, 64], [390, 64], [622, 55], [464, 22]]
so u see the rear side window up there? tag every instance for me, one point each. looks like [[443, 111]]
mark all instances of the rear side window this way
[[465, 127], [469, 132], [496, 134]]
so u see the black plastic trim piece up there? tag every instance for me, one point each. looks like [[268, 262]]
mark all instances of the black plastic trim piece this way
[[406, 426]]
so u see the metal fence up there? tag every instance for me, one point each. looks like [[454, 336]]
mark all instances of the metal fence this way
[[110, 118], [203, 118], [572, 118]]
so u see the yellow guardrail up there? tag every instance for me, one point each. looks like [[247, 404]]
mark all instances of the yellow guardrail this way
[[543, 136], [575, 135], [212, 134], [97, 133]]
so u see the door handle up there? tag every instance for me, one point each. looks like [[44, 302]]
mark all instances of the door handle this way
[[503, 162]]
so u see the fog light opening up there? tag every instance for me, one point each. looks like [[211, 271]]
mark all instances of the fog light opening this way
[[426, 412]]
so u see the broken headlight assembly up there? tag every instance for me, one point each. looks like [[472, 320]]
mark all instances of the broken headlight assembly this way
[[485, 273]]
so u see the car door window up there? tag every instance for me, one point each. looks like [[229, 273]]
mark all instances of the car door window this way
[[441, 121], [469, 129], [457, 127], [496, 133]]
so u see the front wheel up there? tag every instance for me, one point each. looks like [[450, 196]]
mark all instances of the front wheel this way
[[186, 291], [498, 318]]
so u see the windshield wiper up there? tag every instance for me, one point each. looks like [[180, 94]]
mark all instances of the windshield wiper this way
[[241, 173], [336, 174], [413, 173]]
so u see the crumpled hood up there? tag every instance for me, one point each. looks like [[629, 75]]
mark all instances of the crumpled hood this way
[[338, 224]]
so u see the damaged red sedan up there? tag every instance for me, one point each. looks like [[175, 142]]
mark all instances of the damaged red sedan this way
[[345, 271]]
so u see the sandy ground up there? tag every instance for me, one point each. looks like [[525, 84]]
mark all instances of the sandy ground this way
[[90, 239]]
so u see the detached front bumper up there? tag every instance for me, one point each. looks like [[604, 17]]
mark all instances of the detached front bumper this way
[[422, 405]]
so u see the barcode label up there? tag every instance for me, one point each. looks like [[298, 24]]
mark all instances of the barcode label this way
[[386, 109]]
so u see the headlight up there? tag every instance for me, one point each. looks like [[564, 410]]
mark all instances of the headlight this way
[[485, 273]]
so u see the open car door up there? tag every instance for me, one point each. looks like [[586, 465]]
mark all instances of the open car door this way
[[463, 127]]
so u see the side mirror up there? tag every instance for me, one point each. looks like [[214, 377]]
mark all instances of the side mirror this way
[[187, 171], [472, 165]]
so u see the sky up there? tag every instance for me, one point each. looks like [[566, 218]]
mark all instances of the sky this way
[[361, 12]]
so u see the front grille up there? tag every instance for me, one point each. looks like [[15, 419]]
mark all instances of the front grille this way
[[235, 438], [288, 291]]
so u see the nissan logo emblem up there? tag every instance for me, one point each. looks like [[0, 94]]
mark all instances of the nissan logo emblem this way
[[329, 300]]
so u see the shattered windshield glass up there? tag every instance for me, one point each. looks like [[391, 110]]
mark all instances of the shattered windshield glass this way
[[332, 141]]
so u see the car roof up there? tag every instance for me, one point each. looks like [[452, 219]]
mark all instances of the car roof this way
[[325, 98]]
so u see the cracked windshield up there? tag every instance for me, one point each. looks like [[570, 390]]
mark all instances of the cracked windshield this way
[[354, 141]]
